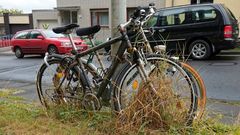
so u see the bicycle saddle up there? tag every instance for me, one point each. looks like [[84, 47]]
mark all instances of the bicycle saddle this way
[[88, 30], [65, 28]]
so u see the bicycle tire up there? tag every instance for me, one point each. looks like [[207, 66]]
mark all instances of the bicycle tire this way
[[42, 70], [118, 86], [202, 97]]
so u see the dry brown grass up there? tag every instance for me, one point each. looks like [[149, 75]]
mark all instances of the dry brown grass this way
[[150, 111]]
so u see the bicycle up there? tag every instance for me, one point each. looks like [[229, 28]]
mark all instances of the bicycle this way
[[194, 75], [91, 93]]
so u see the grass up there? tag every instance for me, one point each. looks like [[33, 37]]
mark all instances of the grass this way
[[20, 117], [237, 48]]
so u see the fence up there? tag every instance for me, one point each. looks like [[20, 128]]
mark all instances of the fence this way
[[5, 40]]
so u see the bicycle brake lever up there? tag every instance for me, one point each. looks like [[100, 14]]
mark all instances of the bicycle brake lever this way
[[46, 58]]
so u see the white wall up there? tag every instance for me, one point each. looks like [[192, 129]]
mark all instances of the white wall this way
[[85, 5], [44, 17]]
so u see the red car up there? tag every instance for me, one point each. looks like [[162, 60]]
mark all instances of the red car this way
[[42, 41]]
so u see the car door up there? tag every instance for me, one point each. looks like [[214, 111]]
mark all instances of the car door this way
[[21, 40], [36, 44], [170, 28], [205, 22]]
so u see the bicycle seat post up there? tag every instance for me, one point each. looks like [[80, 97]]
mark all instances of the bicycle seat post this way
[[72, 42], [96, 53]]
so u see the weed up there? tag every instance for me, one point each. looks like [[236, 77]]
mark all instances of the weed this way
[[19, 117]]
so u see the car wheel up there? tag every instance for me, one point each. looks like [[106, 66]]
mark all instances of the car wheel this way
[[19, 53], [200, 50], [52, 50]]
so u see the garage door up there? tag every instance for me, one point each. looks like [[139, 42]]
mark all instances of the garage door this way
[[49, 24]]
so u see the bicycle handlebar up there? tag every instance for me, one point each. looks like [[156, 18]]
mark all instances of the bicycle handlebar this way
[[140, 16]]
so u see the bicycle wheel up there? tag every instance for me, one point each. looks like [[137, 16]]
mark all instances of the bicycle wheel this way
[[200, 88], [56, 85], [168, 78]]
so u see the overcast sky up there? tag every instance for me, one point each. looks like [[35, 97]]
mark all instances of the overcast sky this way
[[28, 5]]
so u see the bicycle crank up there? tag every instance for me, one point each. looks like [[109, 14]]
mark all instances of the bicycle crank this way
[[91, 102]]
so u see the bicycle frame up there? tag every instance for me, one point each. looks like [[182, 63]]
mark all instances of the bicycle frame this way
[[125, 45], [102, 89], [106, 77]]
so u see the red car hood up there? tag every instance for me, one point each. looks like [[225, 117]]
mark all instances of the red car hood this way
[[76, 40]]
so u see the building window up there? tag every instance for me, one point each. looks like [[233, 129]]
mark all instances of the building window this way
[[201, 1], [100, 17], [74, 17], [69, 17]]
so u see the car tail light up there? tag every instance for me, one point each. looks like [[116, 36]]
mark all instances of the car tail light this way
[[228, 31]]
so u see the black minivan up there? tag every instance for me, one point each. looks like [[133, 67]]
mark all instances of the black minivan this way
[[201, 30]]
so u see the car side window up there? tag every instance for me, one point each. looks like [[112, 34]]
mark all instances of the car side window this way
[[152, 22], [35, 34], [22, 35], [203, 14], [172, 17]]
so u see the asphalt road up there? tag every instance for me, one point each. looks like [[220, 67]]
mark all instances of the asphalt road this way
[[221, 76]]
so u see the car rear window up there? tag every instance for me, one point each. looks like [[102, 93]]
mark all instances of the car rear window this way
[[203, 14], [21, 35], [51, 34]]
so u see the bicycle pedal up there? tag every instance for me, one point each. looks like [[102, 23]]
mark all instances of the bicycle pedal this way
[[91, 102]]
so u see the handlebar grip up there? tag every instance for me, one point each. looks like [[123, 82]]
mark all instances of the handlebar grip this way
[[137, 13], [140, 11], [152, 4]]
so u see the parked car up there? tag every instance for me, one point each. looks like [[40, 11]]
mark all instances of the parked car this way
[[201, 30], [41, 41]]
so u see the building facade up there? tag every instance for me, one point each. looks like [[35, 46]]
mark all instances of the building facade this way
[[10, 24], [45, 19], [91, 12]]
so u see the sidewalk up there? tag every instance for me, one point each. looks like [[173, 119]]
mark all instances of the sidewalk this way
[[227, 112], [231, 52], [6, 51]]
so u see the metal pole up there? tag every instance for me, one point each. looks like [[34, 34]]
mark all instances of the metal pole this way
[[118, 16]]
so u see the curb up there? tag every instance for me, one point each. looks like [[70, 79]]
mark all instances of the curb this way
[[5, 49], [230, 52], [6, 54]]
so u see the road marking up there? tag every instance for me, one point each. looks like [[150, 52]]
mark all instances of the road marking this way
[[229, 55], [223, 64]]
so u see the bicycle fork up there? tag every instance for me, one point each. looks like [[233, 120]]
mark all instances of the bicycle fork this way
[[142, 71]]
